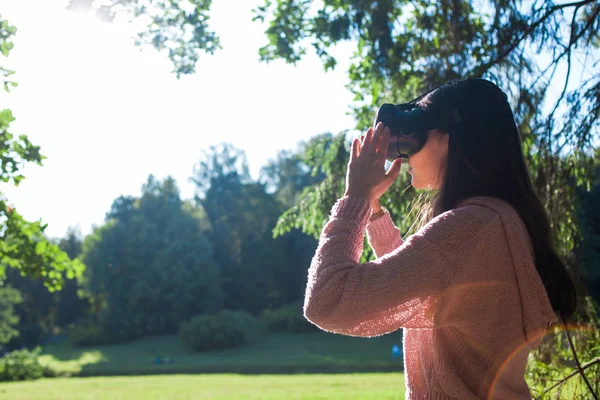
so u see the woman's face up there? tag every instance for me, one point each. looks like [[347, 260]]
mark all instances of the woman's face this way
[[427, 166]]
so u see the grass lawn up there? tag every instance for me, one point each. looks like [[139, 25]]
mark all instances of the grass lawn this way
[[380, 386], [291, 353]]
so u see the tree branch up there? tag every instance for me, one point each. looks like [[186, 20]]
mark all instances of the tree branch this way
[[568, 51], [588, 127], [572, 374], [562, 95], [579, 367], [478, 71], [543, 73]]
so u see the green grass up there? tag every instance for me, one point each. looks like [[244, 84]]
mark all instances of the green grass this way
[[366, 386], [299, 353], [289, 358]]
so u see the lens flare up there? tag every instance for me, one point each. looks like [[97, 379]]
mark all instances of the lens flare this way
[[533, 343]]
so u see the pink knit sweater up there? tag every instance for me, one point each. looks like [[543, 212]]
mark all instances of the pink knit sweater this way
[[464, 288]]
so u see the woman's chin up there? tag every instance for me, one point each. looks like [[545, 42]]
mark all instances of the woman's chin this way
[[415, 183]]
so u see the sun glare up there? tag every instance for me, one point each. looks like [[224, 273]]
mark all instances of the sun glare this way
[[107, 113]]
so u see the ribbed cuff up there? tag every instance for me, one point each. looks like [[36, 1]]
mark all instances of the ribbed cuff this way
[[382, 228], [424, 395], [352, 208]]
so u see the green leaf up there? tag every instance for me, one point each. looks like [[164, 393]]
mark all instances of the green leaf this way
[[40, 247]]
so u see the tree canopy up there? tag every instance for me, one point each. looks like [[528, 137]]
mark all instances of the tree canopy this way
[[158, 260], [23, 245], [259, 272], [404, 47], [149, 267]]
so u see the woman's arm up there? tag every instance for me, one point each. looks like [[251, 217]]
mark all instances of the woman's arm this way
[[400, 289], [384, 237]]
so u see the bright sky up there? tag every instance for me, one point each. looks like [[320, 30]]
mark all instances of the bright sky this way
[[107, 115]]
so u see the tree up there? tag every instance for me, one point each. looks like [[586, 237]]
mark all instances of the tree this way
[[287, 175], [405, 47], [36, 310], [241, 215], [178, 27], [42, 312], [326, 158], [149, 266], [259, 271], [291, 177], [23, 245], [588, 247], [70, 305], [9, 297]]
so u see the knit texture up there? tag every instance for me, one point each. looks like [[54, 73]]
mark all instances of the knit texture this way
[[464, 288]]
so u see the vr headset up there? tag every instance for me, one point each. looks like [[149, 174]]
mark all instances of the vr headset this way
[[408, 124]]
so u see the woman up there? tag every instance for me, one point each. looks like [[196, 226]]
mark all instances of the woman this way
[[476, 287]]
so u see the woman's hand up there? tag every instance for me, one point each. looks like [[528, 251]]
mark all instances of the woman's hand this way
[[366, 176]]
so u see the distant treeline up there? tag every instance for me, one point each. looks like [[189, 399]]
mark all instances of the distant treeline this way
[[159, 260]]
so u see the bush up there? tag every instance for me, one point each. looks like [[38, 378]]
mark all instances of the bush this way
[[226, 329], [20, 365], [87, 333], [49, 372], [288, 319]]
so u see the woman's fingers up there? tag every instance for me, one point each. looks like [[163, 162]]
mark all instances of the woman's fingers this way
[[376, 140], [366, 175], [364, 149], [394, 170], [355, 149]]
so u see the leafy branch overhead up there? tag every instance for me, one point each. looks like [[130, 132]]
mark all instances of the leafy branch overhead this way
[[179, 28], [404, 47], [22, 244], [407, 47]]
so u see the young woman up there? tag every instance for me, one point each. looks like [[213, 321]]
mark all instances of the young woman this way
[[477, 287]]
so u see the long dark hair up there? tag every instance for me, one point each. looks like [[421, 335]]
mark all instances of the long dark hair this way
[[485, 158]]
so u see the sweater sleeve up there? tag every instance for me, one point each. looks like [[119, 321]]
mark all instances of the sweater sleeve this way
[[399, 289], [383, 235]]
